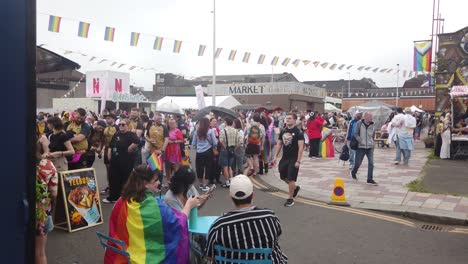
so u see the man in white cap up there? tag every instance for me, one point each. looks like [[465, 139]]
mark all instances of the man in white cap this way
[[244, 227]]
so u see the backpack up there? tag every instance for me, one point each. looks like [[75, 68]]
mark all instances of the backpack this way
[[254, 136], [344, 156]]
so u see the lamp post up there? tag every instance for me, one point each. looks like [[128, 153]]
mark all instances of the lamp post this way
[[349, 84], [397, 83], [213, 99]]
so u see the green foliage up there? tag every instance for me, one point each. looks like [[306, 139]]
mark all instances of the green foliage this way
[[416, 186]]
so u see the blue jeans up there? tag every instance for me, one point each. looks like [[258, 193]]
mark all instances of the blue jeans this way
[[398, 151], [360, 152], [406, 155], [352, 155]]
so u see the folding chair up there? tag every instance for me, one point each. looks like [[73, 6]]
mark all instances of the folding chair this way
[[264, 253], [103, 239]]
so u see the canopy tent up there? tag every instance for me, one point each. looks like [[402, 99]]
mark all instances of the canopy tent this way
[[190, 102], [379, 113], [415, 109], [331, 108], [376, 103]]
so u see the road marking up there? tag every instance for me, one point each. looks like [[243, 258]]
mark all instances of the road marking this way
[[459, 230], [258, 185]]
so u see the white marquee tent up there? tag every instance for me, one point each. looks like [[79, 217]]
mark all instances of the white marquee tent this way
[[190, 102]]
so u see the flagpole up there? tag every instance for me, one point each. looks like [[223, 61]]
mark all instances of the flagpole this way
[[214, 55], [397, 82]]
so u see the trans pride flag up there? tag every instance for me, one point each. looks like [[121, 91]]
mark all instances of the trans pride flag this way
[[422, 55], [152, 231], [155, 162]]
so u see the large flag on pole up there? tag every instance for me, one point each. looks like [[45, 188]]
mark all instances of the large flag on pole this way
[[422, 55]]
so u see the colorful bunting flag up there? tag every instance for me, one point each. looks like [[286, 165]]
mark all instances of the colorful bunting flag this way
[[422, 55], [306, 62], [367, 68], [121, 65], [333, 66], [383, 70], [218, 52], [296, 62], [114, 63], [360, 68], [341, 67], [274, 61], [324, 65], [109, 34], [349, 67], [404, 73], [246, 57], [375, 69], [155, 162], [102, 61], [67, 52], [232, 55], [158, 43], [83, 29], [133, 67], [92, 58], [54, 23], [286, 62], [177, 46], [201, 50], [134, 36], [261, 59], [389, 70]]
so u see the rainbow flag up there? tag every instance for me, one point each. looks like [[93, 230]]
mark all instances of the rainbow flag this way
[[274, 61], [177, 46], [218, 52], [306, 62], [83, 29], [296, 62], [324, 65], [158, 43], [316, 63], [152, 231], [109, 34], [246, 57], [333, 66], [261, 59], [54, 23], [422, 55], [134, 39], [232, 55], [349, 67], [201, 50], [155, 162], [286, 62]]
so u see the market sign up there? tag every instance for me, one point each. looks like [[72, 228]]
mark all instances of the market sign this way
[[268, 89], [460, 90], [121, 97]]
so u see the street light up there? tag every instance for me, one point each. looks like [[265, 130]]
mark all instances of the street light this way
[[397, 82], [213, 99], [349, 84]]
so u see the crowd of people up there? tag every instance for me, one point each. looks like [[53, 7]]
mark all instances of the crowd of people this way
[[249, 144]]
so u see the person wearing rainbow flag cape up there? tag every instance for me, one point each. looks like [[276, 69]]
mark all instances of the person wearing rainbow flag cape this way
[[152, 231]]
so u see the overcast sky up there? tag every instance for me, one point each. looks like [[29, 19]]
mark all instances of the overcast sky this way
[[373, 33]]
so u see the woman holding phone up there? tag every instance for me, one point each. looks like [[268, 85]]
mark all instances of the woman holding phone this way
[[181, 189]]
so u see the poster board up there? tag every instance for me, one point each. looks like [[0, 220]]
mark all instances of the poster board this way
[[79, 206]]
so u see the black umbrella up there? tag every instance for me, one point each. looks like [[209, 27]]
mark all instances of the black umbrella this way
[[217, 110]]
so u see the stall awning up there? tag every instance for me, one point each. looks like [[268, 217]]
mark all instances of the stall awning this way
[[458, 91]]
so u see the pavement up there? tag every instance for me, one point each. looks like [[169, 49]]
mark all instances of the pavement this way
[[446, 181]]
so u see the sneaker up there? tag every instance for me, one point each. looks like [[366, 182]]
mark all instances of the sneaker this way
[[354, 177], [350, 166], [289, 202], [107, 201], [225, 185], [204, 188], [298, 188], [372, 182], [105, 190], [396, 162]]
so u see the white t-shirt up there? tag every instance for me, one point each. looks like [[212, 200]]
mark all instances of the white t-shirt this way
[[410, 124], [398, 122]]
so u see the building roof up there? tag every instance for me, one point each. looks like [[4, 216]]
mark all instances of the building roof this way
[[249, 78], [48, 61], [364, 83]]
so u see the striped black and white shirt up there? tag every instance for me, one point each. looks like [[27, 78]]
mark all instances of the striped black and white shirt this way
[[244, 229]]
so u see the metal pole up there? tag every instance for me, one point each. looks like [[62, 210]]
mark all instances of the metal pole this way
[[397, 82], [213, 102], [349, 84]]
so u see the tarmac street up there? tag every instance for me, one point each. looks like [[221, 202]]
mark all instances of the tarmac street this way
[[313, 232]]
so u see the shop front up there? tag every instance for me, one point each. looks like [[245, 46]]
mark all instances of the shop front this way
[[287, 95], [459, 104]]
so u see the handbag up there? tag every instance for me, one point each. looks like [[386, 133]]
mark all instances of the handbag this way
[[215, 150], [230, 150], [354, 144]]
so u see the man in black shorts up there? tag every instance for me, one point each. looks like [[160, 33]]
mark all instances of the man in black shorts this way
[[291, 140]]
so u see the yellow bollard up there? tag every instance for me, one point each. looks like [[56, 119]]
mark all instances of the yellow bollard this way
[[338, 195]]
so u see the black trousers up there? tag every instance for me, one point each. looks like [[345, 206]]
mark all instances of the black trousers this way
[[120, 170], [314, 147], [204, 165]]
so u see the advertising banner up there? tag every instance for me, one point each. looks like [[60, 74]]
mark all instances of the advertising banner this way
[[104, 84]]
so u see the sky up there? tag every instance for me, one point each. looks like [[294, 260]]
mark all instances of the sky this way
[[373, 33]]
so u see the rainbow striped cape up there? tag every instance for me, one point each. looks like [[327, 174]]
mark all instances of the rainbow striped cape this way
[[152, 231]]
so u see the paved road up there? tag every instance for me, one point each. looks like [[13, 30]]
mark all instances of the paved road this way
[[312, 233]]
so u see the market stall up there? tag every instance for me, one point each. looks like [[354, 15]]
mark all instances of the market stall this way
[[459, 103]]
